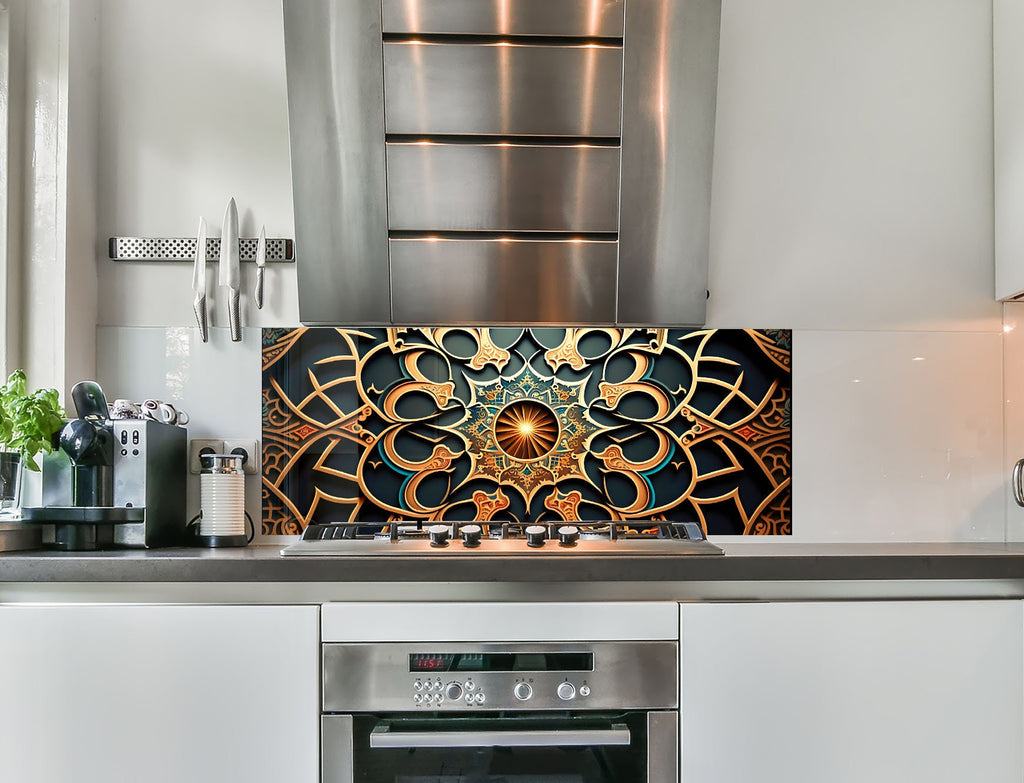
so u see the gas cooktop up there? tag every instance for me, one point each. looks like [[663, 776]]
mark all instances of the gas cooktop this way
[[454, 539]]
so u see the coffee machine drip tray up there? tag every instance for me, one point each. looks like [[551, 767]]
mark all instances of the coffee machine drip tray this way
[[90, 515], [77, 528]]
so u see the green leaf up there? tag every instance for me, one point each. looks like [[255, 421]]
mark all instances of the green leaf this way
[[28, 421]]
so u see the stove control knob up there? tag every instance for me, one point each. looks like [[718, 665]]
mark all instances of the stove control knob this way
[[584, 690], [566, 691], [568, 535], [438, 535], [453, 692], [522, 691], [535, 535], [471, 535]]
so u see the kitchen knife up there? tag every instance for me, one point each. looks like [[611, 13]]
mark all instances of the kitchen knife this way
[[199, 281], [229, 275], [261, 262]]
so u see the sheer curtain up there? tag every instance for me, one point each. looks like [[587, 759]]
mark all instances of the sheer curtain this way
[[5, 188], [48, 151]]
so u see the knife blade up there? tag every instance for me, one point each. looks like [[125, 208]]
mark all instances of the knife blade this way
[[261, 262], [199, 281], [229, 273]]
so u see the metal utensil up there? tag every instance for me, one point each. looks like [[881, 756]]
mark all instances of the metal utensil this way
[[261, 262], [199, 281], [229, 273], [1018, 482]]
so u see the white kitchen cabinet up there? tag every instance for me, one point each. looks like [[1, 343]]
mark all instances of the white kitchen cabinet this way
[[161, 694], [1008, 132], [908, 692]]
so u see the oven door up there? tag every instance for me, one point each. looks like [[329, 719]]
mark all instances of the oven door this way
[[630, 747]]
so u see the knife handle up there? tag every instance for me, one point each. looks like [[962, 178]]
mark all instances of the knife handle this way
[[234, 317], [199, 306], [258, 293]]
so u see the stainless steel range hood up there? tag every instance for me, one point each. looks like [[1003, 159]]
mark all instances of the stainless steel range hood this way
[[502, 161]]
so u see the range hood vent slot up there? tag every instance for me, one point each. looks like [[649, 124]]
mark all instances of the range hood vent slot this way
[[566, 18], [501, 40]]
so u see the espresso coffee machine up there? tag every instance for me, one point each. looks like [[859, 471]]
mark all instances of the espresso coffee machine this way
[[114, 482]]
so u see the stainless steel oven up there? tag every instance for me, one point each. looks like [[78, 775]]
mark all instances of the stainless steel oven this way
[[517, 712]]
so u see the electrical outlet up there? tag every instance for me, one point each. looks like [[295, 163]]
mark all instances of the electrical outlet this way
[[250, 449], [198, 446]]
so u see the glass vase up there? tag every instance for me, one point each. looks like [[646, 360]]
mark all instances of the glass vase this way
[[11, 469]]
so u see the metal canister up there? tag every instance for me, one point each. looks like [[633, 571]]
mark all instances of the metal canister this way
[[222, 499]]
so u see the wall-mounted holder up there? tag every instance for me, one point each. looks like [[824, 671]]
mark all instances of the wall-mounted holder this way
[[279, 251]]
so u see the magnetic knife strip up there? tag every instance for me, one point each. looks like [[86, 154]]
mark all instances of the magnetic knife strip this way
[[279, 251]]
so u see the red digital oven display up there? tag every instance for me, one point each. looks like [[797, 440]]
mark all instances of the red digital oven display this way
[[431, 662], [502, 662]]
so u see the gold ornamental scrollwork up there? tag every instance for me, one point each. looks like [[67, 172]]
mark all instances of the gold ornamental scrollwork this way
[[510, 424]]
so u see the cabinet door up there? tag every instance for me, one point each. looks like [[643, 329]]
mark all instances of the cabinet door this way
[[159, 694], [1008, 122], [927, 691]]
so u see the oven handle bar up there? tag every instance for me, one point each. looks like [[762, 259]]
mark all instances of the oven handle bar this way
[[383, 737]]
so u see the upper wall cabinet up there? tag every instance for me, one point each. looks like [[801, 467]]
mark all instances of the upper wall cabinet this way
[[502, 161], [1008, 106]]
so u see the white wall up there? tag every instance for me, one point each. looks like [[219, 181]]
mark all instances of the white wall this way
[[852, 203], [193, 112], [1008, 79], [1013, 391]]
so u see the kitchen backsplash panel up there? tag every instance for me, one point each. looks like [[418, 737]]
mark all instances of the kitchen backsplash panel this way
[[519, 425]]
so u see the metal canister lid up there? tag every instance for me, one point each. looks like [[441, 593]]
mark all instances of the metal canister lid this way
[[220, 463]]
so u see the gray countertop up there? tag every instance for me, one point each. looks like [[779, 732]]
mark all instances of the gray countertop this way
[[742, 562]]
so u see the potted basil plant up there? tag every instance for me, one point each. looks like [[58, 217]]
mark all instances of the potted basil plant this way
[[28, 423]]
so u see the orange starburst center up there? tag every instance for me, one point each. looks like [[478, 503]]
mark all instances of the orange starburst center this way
[[526, 430]]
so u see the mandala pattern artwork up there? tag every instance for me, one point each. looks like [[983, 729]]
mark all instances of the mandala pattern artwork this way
[[527, 425]]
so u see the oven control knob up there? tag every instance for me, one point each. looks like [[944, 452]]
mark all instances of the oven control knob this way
[[522, 691], [438, 535], [453, 692], [566, 691], [568, 535], [535, 535], [471, 535], [584, 690]]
